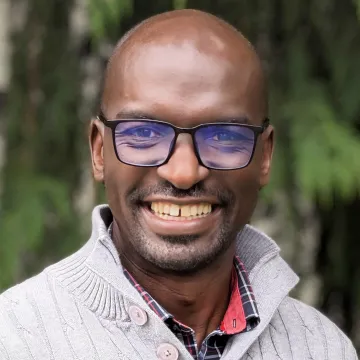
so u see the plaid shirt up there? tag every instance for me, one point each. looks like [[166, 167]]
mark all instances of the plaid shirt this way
[[241, 316]]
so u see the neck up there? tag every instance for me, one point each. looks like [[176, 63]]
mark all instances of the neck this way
[[197, 300]]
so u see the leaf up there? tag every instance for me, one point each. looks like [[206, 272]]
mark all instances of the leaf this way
[[106, 15], [179, 4]]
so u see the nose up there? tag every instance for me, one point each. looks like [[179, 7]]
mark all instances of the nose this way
[[183, 169]]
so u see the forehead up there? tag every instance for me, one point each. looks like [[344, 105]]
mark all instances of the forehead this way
[[187, 82]]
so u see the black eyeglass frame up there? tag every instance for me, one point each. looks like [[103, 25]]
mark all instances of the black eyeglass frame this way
[[258, 130]]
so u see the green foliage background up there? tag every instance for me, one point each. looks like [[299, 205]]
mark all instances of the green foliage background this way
[[311, 50]]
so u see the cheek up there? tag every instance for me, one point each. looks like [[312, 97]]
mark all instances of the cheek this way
[[245, 186], [119, 180]]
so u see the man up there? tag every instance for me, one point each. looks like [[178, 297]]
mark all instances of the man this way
[[172, 271]]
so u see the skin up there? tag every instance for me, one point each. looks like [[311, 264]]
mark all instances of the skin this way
[[188, 68]]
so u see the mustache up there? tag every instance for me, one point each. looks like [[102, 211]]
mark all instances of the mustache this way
[[224, 197]]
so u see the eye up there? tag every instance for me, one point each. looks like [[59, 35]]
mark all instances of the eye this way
[[225, 136], [145, 132]]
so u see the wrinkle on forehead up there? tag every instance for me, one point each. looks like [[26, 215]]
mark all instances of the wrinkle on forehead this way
[[187, 29]]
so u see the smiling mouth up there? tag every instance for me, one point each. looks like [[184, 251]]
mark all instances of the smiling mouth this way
[[175, 212]]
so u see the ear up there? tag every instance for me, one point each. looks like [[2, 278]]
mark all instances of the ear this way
[[96, 142], [267, 154]]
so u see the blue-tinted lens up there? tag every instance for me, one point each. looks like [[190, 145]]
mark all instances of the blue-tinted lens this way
[[225, 146], [143, 142]]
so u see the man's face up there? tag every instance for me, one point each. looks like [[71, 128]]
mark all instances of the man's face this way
[[186, 87]]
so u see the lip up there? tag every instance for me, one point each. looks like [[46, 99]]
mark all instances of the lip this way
[[164, 227], [183, 201]]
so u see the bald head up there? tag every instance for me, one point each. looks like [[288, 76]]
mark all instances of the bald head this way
[[191, 44], [179, 25]]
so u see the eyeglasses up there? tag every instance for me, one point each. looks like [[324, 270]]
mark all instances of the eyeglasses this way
[[218, 146]]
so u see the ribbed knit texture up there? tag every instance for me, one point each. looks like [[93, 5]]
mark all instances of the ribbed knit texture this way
[[79, 309]]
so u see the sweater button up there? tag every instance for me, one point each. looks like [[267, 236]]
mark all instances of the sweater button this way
[[138, 315], [167, 352]]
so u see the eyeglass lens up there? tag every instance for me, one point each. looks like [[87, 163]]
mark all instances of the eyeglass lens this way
[[146, 143]]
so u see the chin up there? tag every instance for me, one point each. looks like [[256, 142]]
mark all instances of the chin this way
[[182, 254]]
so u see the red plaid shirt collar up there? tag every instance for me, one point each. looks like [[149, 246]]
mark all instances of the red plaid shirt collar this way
[[241, 316]]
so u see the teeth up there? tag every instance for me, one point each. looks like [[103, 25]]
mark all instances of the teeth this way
[[201, 208], [194, 210], [206, 209], [174, 210], [183, 212]]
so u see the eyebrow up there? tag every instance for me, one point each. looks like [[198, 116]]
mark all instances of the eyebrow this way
[[135, 114], [235, 120]]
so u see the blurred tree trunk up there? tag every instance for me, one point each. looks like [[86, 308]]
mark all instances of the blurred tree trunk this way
[[44, 139], [4, 71]]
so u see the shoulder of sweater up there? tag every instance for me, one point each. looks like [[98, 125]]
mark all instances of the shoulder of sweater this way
[[21, 298], [300, 320], [18, 316], [24, 289], [35, 314]]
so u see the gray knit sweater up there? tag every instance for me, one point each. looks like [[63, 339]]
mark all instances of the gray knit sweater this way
[[84, 308]]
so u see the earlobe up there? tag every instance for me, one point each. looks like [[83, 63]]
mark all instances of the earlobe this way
[[96, 143]]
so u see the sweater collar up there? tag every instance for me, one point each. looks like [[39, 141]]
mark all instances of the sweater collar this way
[[98, 262]]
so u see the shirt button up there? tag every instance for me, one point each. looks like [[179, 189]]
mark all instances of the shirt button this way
[[138, 315], [167, 352]]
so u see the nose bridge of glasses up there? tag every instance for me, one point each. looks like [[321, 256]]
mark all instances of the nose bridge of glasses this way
[[183, 168], [184, 141], [184, 137]]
